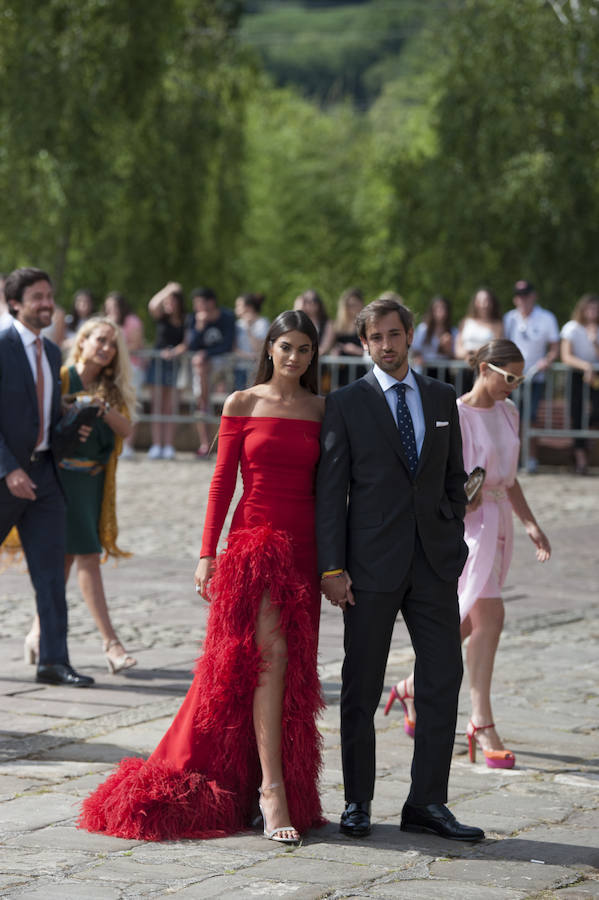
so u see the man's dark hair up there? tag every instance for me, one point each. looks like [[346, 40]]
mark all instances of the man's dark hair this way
[[17, 281], [205, 292], [379, 308]]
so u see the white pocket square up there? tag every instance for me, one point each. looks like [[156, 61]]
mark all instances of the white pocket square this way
[[441, 424]]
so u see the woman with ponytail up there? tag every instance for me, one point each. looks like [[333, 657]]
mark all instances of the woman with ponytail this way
[[489, 424]]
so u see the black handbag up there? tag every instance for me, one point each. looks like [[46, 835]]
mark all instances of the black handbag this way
[[66, 432]]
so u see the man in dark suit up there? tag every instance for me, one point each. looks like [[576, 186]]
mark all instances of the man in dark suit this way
[[30, 494], [390, 505]]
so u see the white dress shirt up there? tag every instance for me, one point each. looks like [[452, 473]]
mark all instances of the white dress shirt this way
[[413, 400], [28, 338]]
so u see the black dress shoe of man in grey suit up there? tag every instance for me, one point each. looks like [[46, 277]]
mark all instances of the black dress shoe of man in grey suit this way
[[62, 674], [355, 819], [437, 819]]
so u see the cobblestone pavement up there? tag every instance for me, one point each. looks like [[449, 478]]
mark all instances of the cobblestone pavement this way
[[541, 819]]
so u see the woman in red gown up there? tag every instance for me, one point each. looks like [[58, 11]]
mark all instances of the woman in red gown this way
[[248, 722]]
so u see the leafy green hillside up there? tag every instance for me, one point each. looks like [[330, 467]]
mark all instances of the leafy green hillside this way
[[331, 51]]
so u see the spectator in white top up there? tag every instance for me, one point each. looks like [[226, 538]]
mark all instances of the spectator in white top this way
[[481, 325], [535, 332], [580, 350], [5, 316], [250, 330]]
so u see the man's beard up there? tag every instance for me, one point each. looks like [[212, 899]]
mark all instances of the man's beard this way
[[390, 368]]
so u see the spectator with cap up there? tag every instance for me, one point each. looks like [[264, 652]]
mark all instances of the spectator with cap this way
[[535, 332]]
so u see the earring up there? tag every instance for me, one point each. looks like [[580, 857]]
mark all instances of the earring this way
[[269, 358]]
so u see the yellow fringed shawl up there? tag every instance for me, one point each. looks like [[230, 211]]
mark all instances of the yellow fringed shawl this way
[[11, 551]]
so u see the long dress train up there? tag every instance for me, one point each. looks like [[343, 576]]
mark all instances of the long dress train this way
[[202, 779]]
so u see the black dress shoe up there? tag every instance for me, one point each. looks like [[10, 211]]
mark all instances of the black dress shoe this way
[[62, 673], [355, 818], [437, 819]]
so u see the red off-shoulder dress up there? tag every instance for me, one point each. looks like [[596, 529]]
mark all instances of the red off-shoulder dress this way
[[202, 779]]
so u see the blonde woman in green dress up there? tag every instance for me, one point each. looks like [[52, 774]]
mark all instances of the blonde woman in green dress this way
[[98, 367]]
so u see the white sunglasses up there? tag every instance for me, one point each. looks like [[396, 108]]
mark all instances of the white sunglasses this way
[[510, 378]]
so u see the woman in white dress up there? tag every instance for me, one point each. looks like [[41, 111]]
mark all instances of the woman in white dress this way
[[580, 350], [481, 324]]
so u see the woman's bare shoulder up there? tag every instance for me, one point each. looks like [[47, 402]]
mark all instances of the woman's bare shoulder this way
[[240, 403], [316, 404]]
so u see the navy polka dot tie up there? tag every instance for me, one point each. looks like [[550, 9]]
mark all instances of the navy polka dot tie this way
[[406, 427]]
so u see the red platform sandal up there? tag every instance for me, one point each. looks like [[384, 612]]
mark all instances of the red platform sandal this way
[[495, 759], [408, 725]]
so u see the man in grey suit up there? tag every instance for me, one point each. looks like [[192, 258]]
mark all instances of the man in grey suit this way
[[30, 494], [390, 505]]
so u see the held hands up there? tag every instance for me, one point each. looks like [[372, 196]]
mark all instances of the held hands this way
[[539, 539], [203, 574], [20, 484], [337, 590]]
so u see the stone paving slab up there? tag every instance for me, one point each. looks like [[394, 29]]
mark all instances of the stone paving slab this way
[[433, 889], [528, 877], [58, 744]]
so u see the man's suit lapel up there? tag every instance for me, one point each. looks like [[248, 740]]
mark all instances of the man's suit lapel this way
[[22, 367], [428, 409], [379, 408]]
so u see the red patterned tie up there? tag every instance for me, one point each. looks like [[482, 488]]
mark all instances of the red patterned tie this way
[[39, 386]]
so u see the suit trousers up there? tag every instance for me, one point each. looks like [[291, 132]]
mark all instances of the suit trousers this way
[[430, 610], [42, 529]]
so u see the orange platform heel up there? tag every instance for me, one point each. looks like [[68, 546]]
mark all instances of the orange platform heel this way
[[495, 759], [408, 725]]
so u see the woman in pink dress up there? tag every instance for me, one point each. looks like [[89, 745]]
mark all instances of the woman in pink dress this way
[[489, 425]]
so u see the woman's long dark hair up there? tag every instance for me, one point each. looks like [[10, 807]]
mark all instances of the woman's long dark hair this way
[[290, 320], [495, 307], [430, 319]]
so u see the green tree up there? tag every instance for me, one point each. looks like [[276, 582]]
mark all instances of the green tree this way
[[302, 169], [120, 128], [509, 187]]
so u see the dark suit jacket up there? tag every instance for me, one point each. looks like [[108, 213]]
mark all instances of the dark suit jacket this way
[[19, 417], [368, 507]]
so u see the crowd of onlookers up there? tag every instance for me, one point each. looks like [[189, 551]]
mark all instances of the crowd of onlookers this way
[[214, 347]]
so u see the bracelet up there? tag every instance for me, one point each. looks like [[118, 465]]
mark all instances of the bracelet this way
[[334, 573]]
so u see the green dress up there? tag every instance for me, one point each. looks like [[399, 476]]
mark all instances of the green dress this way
[[83, 490]]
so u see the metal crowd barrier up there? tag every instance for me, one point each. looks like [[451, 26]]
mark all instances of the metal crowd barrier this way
[[554, 415], [231, 372]]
